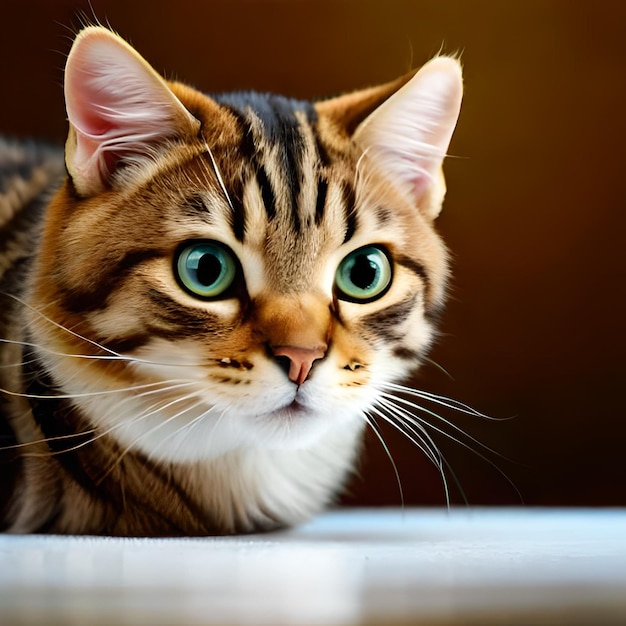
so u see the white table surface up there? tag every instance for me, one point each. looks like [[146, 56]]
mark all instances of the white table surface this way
[[420, 566]]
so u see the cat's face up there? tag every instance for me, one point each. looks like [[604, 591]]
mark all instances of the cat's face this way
[[252, 270]]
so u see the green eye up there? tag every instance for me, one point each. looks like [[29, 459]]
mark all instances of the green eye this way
[[364, 275], [205, 269]]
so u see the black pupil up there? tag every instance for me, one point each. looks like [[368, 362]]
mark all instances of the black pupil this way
[[363, 272], [209, 269]]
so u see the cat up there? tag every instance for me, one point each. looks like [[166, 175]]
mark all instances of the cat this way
[[206, 299]]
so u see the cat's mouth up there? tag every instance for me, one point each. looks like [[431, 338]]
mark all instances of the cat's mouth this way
[[296, 407], [293, 410]]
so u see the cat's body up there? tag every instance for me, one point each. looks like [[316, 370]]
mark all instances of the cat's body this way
[[200, 319]]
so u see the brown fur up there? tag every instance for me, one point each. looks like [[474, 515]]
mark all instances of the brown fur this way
[[97, 409]]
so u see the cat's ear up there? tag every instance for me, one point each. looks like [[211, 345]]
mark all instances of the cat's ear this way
[[408, 135], [120, 110]]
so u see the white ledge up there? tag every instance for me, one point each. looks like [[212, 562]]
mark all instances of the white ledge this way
[[361, 566]]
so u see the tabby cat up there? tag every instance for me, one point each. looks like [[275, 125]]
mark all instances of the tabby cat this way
[[208, 298]]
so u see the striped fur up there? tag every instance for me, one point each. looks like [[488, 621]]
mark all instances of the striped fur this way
[[132, 407]]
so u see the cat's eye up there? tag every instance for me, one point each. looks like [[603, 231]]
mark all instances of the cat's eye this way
[[364, 275], [206, 269]]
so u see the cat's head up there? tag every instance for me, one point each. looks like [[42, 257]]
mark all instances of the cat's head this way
[[250, 270]]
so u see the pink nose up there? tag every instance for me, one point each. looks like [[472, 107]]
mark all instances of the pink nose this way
[[300, 360]]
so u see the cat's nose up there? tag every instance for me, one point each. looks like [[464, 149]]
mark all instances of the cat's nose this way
[[300, 360]]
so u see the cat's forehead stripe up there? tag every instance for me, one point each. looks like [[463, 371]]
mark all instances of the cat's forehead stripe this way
[[349, 200], [320, 203], [287, 158], [238, 218], [274, 144], [267, 192], [282, 146]]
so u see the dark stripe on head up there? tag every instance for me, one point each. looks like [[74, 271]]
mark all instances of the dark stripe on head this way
[[247, 145], [182, 321], [297, 224], [406, 353], [433, 311], [383, 323], [96, 297], [414, 266], [248, 151], [320, 204], [267, 193], [194, 207], [238, 215], [310, 111], [383, 215], [349, 211], [281, 128], [322, 151]]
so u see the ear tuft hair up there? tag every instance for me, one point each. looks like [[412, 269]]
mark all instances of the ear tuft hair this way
[[120, 110], [408, 135]]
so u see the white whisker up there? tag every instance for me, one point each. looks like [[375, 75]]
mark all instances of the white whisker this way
[[89, 441], [111, 355], [46, 440], [440, 367], [90, 431], [60, 326], [88, 394], [97, 357], [152, 430], [219, 175], [374, 426], [437, 399], [189, 426], [422, 440], [412, 429], [397, 405], [19, 364], [427, 411]]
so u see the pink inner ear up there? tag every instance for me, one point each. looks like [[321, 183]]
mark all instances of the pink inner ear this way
[[118, 106], [409, 134]]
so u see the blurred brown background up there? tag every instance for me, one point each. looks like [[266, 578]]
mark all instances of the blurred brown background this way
[[535, 214]]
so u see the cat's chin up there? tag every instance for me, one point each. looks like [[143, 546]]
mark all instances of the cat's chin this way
[[292, 426]]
